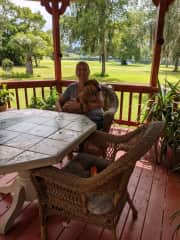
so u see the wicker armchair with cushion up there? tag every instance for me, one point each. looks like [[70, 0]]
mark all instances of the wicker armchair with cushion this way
[[99, 199]]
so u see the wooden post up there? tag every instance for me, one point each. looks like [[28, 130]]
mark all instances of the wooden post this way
[[56, 8], [159, 40], [56, 42]]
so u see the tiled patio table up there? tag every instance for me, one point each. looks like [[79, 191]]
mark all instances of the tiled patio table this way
[[35, 138]]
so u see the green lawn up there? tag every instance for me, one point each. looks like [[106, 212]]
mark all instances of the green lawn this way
[[134, 73]]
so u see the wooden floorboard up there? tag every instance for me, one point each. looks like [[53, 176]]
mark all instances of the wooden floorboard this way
[[132, 188], [156, 195], [72, 231], [155, 211], [133, 229], [172, 204]]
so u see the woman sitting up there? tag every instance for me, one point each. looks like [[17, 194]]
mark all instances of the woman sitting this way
[[83, 96]]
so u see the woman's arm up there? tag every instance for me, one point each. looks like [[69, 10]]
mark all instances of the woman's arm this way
[[59, 103]]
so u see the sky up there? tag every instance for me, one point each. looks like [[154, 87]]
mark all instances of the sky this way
[[35, 7]]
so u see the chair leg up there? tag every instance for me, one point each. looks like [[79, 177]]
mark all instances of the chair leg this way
[[114, 234], [43, 222], [135, 213], [43, 232]]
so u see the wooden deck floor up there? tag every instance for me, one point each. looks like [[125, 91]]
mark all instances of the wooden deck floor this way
[[156, 194]]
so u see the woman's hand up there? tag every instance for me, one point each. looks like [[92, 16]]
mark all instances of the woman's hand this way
[[72, 106]]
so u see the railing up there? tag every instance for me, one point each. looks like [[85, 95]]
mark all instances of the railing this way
[[132, 98], [25, 90]]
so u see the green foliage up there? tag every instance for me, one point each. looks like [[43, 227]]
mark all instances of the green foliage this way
[[7, 65], [5, 95], [16, 75], [172, 35], [93, 24], [174, 216], [164, 107], [13, 20], [29, 45], [47, 103]]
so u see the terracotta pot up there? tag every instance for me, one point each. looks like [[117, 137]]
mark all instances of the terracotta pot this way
[[3, 107]]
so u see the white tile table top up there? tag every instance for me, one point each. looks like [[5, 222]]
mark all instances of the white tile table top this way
[[34, 138]]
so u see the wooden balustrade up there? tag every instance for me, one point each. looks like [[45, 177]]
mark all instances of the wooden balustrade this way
[[132, 98], [25, 90]]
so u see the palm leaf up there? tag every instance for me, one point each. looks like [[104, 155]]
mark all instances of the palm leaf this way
[[175, 232]]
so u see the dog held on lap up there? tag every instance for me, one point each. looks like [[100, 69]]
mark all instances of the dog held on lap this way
[[89, 94]]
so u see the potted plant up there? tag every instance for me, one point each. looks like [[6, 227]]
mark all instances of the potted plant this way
[[173, 217], [5, 97], [164, 107]]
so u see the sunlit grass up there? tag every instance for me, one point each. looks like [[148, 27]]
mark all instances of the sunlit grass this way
[[115, 72]]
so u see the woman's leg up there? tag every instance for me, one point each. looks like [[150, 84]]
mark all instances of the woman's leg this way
[[87, 161]]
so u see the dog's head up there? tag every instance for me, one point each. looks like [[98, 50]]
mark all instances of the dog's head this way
[[91, 87]]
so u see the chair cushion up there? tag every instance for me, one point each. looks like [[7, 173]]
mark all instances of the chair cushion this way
[[100, 204]]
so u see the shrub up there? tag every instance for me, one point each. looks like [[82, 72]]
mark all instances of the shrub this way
[[47, 103], [7, 65]]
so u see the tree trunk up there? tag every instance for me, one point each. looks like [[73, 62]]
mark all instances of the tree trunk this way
[[103, 69], [176, 62], [36, 61], [151, 37], [29, 66], [167, 62], [103, 57]]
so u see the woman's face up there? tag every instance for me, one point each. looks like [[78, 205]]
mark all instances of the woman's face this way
[[82, 72]]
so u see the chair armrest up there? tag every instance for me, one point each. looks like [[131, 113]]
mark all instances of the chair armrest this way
[[72, 182], [63, 179], [101, 139], [108, 118]]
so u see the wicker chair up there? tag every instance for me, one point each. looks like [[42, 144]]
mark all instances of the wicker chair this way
[[110, 106], [68, 195]]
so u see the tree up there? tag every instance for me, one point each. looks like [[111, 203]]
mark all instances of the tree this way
[[15, 20], [28, 21], [8, 26], [172, 35], [129, 40], [28, 45], [92, 24]]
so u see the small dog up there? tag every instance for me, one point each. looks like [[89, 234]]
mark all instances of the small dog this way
[[90, 93]]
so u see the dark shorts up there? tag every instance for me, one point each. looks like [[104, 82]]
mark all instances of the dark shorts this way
[[99, 123], [82, 163]]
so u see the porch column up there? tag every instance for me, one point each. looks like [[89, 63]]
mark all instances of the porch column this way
[[56, 8], [159, 40]]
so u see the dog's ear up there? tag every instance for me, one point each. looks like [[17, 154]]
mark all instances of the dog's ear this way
[[90, 90], [94, 83]]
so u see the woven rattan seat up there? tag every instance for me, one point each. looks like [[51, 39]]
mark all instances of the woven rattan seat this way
[[66, 194]]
